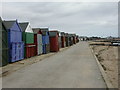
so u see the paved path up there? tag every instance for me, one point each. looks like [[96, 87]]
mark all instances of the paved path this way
[[75, 67]]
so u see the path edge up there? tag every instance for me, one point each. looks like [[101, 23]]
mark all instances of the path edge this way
[[107, 81]]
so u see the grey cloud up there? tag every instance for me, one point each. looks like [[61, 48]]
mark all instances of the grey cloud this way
[[83, 18]]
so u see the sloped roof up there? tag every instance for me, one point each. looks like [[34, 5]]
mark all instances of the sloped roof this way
[[0, 20], [35, 30], [53, 33], [62, 33], [8, 24], [23, 25], [44, 29], [0, 23]]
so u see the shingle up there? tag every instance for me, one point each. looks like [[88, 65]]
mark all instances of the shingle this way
[[53, 33], [44, 29], [8, 24], [35, 30], [1, 24], [0, 20], [23, 25]]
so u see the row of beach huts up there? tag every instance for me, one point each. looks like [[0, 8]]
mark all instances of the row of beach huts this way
[[20, 41]]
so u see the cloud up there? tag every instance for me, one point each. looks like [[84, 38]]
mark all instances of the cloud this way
[[83, 18]]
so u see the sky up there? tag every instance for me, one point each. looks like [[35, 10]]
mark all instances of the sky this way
[[82, 18]]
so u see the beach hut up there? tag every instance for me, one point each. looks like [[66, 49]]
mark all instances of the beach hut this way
[[45, 39], [15, 44], [63, 43], [67, 39], [4, 45], [28, 39], [54, 41], [38, 40]]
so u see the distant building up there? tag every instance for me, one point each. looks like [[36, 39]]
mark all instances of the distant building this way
[[83, 38]]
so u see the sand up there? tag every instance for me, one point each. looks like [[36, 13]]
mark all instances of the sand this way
[[108, 57]]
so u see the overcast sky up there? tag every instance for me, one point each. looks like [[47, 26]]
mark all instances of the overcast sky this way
[[84, 19]]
